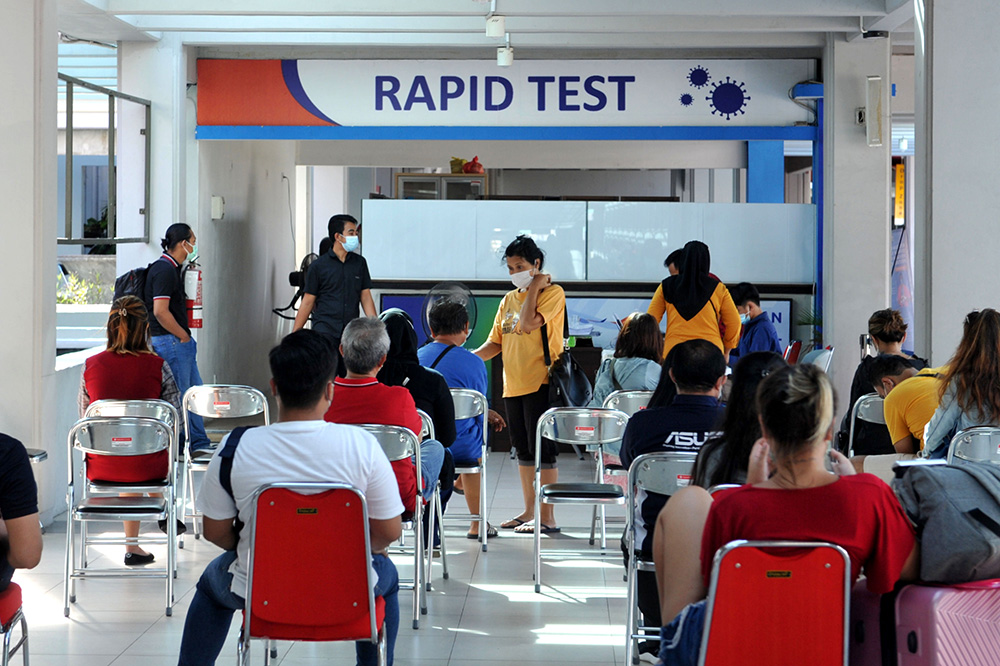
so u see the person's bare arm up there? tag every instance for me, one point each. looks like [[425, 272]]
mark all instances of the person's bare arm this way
[[221, 532], [305, 309], [495, 420], [161, 310], [906, 445], [911, 569], [530, 319], [488, 350], [368, 303], [24, 538], [384, 533]]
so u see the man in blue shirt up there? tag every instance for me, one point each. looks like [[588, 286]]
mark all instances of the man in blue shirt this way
[[461, 368], [758, 332]]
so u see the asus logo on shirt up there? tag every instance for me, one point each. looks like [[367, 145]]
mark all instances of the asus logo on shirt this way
[[689, 440]]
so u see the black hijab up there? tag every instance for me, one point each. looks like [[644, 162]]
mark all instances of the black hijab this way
[[402, 356], [692, 289]]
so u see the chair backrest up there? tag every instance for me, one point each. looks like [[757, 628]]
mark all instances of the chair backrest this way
[[580, 425], [792, 352], [121, 435], [777, 602], [225, 401], [154, 409], [662, 472], [396, 441], [334, 597], [868, 347], [426, 425], [629, 402], [868, 408], [468, 403], [977, 444], [821, 358]]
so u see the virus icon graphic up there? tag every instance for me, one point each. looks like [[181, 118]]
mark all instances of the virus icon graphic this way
[[687, 99], [728, 98], [699, 77]]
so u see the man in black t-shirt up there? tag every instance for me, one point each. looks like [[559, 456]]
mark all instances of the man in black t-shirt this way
[[20, 534], [337, 284]]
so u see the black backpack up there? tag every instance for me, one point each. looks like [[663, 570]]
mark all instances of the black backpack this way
[[132, 283]]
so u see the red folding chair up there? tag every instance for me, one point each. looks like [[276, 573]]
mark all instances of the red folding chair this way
[[792, 352], [777, 603], [10, 616], [334, 599]]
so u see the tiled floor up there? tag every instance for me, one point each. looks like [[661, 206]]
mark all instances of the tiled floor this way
[[486, 613]]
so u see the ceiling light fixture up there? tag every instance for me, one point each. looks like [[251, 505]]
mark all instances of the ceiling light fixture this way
[[505, 54]]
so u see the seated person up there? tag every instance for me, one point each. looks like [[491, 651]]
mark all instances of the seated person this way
[[635, 365], [299, 448], [20, 533], [724, 459], [790, 495], [911, 396], [699, 371], [449, 321], [888, 331], [757, 332], [361, 398]]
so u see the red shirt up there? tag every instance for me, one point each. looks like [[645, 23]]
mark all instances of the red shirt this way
[[858, 513], [366, 400], [113, 376]]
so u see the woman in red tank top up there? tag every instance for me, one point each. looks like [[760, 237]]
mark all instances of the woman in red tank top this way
[[128, 370]]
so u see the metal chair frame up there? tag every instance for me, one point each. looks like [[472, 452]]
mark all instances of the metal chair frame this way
[[243, 646], [821, 358], [868, 408], [212, 401], [722, 555], [400, 443], [470, 404], [8, 631], [592, 428], [979, 444], [436, 511], [658, 472], [629, 401], [153, 436]]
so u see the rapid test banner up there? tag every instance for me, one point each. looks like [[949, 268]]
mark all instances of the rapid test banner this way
[[539, 93]]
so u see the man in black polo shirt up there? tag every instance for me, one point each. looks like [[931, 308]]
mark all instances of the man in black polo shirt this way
[[337, 284], [20, 535], [698, 370]]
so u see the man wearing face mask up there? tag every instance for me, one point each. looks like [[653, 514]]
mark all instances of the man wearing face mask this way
[[337, 284], [168, 326], [757, 332]]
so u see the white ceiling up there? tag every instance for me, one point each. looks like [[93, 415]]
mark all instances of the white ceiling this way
[[456, 28]]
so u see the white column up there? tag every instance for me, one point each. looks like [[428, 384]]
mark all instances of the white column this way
[[156, 71], [28, 190], [856, 203], [957, 243]]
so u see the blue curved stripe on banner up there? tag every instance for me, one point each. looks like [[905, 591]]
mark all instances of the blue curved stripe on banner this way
[[290, 72]]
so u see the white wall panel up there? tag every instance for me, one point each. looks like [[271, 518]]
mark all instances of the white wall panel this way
[[419, 239]]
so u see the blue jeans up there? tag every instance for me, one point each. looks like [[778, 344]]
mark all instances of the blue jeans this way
[[181, 357], [211, 613], [431, 459]]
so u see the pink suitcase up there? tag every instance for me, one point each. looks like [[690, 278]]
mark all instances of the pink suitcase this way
[[865, 647], [955, 625]]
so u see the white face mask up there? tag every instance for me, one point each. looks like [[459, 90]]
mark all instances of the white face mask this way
[[522, 280]]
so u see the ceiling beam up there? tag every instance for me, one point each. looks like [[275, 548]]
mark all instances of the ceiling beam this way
[[898, 13]]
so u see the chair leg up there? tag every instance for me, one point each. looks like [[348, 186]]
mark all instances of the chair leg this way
[[6, 645], [24, 640], [68, 570], [267, 652], [631, 617], [171, 552], [538, 523], [383, 649], [444, 549], [417, 567], [483, 522], [432, 509]]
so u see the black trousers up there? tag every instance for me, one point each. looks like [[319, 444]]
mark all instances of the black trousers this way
[[523, 412]]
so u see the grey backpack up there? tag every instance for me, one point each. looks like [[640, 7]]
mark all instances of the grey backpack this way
[[956, 510]]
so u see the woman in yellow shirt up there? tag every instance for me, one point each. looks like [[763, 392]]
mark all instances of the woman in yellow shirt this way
[[697, 304], [517, 335]]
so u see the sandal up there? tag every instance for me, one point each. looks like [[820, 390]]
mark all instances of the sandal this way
[[529, 528], [513, 523], [490, 533]]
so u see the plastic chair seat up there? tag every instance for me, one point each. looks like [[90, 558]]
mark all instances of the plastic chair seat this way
[[122, 505], [10, 603], [37, 455], [588, 493]]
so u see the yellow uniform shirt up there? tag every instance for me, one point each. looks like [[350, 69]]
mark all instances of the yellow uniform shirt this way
[[718, 322], [524, 369], [911, 404]]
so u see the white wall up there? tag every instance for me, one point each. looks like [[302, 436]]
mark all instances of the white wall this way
[[246, 257], [329, 190]]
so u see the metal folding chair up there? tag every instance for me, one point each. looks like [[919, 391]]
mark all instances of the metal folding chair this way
[[99, 498], [591, 428], [792, 352], [821, 358], [400, 443], [12, 615], [216, 401], [628, 401], [470, 404], [764, 593], [664, 473], [334, 602], [980, 444], [867, 408], [435, 510]]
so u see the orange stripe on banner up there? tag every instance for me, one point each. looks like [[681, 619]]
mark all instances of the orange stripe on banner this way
[[248, 92]]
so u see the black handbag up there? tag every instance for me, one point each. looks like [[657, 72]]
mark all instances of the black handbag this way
[[568, 383]]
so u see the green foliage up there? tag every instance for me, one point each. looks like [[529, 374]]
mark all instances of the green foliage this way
[[74, 290]]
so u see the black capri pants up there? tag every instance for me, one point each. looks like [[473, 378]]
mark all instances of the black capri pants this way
[[523, 412]]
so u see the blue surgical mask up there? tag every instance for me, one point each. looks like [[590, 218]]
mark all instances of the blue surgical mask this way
[[745, 318], [351, 243]]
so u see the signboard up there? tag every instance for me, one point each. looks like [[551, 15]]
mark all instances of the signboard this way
[[530, 93]]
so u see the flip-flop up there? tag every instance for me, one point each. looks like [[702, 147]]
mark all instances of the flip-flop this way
[[529, 528], [490, 533], [513, 523]]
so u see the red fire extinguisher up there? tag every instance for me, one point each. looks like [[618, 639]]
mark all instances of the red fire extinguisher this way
[[192, 292]]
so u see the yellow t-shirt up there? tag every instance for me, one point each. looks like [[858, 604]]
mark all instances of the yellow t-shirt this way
[[718, 322], [524, 368], [911, 404]]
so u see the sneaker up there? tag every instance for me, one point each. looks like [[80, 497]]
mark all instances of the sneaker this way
[[134, 559], [649, 651]]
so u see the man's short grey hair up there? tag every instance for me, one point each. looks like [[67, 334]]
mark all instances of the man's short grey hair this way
[[364, 341]]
